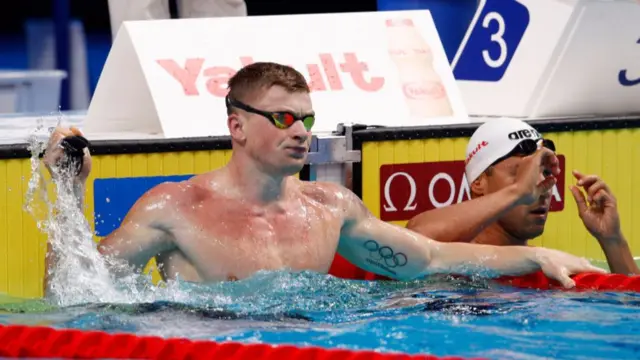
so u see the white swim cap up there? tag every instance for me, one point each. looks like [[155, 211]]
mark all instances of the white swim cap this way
[[493, 140]]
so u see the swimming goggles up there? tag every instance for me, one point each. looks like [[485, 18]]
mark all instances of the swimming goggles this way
[[527, 147], [281, 119]]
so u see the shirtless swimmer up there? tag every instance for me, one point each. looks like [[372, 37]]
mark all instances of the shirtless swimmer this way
[[253, 214]]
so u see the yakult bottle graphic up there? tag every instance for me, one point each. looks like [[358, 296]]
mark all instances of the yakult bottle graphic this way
[[423, 89]]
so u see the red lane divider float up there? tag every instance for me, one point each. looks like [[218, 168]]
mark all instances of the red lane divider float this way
[[587, 281], [18, 341]]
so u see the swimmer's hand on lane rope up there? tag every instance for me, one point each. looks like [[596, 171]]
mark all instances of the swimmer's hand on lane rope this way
[[562, 266], [68, 148]]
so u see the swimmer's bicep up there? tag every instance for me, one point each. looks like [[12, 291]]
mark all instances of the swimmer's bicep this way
[[378, 246], [135, 244], [140, 236]]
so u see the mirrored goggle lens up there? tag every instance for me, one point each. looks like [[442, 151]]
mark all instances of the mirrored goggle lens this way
[[285, 120], [308, 122]]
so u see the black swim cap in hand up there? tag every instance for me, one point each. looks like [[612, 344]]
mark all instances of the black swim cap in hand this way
[[74, 152]]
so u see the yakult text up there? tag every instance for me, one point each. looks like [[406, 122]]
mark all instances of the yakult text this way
[[189, 73]]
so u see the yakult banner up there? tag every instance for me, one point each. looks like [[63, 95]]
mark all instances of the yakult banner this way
[[551, 58], [169, 77], [407, 190]]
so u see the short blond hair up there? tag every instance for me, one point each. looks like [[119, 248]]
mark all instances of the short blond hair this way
[[262, 76]]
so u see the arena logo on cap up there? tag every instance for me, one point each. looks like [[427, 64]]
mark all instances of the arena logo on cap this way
[[524, 134], [407, 190]]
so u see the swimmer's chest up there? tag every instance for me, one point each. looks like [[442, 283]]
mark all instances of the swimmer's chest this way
[[244, 239]]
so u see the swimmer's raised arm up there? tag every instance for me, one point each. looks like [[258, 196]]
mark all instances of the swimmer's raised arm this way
[[52, 156], [400, 253], [462, 222], [141, 234]]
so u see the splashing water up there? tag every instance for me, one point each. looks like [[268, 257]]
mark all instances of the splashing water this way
[[79, 274]]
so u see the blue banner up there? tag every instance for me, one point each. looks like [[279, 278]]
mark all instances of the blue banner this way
[[113, 197]]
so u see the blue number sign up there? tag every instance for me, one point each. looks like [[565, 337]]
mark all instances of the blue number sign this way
[[494, 39]]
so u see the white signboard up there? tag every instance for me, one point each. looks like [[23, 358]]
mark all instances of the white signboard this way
[[543, 58], [169, 77]]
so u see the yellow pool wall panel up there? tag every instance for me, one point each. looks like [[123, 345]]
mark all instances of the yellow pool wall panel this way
[[23, 246], [614, 155]]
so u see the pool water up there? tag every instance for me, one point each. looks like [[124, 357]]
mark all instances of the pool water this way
[[438, 316]]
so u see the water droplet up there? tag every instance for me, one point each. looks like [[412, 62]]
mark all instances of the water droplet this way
[[108, 200]]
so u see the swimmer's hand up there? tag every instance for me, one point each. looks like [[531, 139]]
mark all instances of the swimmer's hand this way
[[55, 153], [536, 175], [599, 214], [599, 210], [560, 266]]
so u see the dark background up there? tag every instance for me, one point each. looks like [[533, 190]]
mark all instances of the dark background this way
[[95, 13]]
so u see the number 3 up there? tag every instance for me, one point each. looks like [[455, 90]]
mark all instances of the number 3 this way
[[624, 80], [496, 37]]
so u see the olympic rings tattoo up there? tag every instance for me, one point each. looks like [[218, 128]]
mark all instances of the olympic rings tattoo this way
[[386, 254]]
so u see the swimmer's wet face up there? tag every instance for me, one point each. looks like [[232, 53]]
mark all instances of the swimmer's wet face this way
[[263, 97], [523, 222]]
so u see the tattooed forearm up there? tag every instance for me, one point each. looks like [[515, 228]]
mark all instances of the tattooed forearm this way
[[384, 257]]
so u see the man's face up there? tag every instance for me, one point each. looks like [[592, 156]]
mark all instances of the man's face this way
[[526, 221], [278, 150]]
